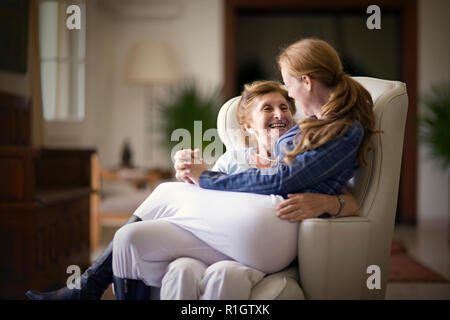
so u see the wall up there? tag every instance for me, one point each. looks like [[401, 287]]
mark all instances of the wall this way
[[433, 65], [119, 108]]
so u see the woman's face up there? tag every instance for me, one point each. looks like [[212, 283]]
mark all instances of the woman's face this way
[[298, 91], [270, 117]]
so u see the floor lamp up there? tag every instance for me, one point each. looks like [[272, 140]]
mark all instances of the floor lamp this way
[[152, 64]]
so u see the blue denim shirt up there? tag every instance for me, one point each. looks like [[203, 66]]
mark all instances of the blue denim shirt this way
[[323, 170]]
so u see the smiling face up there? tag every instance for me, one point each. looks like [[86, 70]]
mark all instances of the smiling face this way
[[269, 118]]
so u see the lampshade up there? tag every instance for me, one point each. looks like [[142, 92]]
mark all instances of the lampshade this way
[[151, 63]]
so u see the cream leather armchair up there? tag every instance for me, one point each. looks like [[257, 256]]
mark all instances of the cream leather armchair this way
[[337, 257]]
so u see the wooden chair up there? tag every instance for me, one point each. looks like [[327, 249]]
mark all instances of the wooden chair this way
[[116, 209]]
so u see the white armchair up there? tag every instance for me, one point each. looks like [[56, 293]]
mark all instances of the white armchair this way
[[334, 254]]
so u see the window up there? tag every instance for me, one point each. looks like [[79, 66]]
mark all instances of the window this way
[[62, 54]]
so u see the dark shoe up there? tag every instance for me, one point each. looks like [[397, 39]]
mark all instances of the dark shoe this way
[[62, 294], [129, 289], [94, 281]]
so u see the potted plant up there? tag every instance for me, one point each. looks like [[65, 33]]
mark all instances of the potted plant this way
[[434, 126], [184, 105]]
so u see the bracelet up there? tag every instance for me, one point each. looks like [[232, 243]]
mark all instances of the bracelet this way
[[341, 206]]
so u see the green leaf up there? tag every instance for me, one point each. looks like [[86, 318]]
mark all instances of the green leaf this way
[[184, 105], [434, 125]]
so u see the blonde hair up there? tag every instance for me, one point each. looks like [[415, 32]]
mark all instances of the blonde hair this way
[[348, 101], [257, 89]]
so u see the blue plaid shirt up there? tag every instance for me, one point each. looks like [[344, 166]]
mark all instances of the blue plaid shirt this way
[[323, 170]]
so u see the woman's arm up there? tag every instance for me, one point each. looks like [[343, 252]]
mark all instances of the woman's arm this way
[[306, 170], [311, 205], [230, 162]]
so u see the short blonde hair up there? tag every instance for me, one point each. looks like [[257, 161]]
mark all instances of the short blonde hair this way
[[257, 89]]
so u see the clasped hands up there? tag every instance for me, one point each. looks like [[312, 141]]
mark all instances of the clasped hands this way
[[188, 165]]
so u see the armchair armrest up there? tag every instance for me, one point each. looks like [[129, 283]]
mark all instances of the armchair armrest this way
[[333, 257]]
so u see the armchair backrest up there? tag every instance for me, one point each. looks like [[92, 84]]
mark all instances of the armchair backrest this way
[[376, 186], [228, 126], [381, 176]]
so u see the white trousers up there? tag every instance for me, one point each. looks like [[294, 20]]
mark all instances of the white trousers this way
[[191, 279], [183, 220]]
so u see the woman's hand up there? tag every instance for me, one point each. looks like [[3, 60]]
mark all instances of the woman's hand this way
[[189, 166], [183, 159], [196, 167], [301, 206]]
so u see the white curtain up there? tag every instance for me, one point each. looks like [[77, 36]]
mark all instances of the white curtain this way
[[62, 54]]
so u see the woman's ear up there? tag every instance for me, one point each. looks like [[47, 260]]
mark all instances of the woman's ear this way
[[307, 81]]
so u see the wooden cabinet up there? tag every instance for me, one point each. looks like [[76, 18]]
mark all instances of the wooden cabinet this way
[[38, 241], [44, 207]]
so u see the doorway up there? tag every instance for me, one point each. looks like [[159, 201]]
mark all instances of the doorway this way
[[364, 52]]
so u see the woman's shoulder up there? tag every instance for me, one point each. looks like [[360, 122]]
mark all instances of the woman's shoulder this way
[[238, 153], [233, 161], [290, 134], [285, 142], [356, 129], [353, 136], [292, 131]]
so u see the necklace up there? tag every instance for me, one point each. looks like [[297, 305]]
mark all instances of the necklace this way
[[265, 158], [259, 163]]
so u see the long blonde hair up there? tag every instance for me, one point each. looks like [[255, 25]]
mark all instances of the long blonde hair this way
[[348, 101]]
